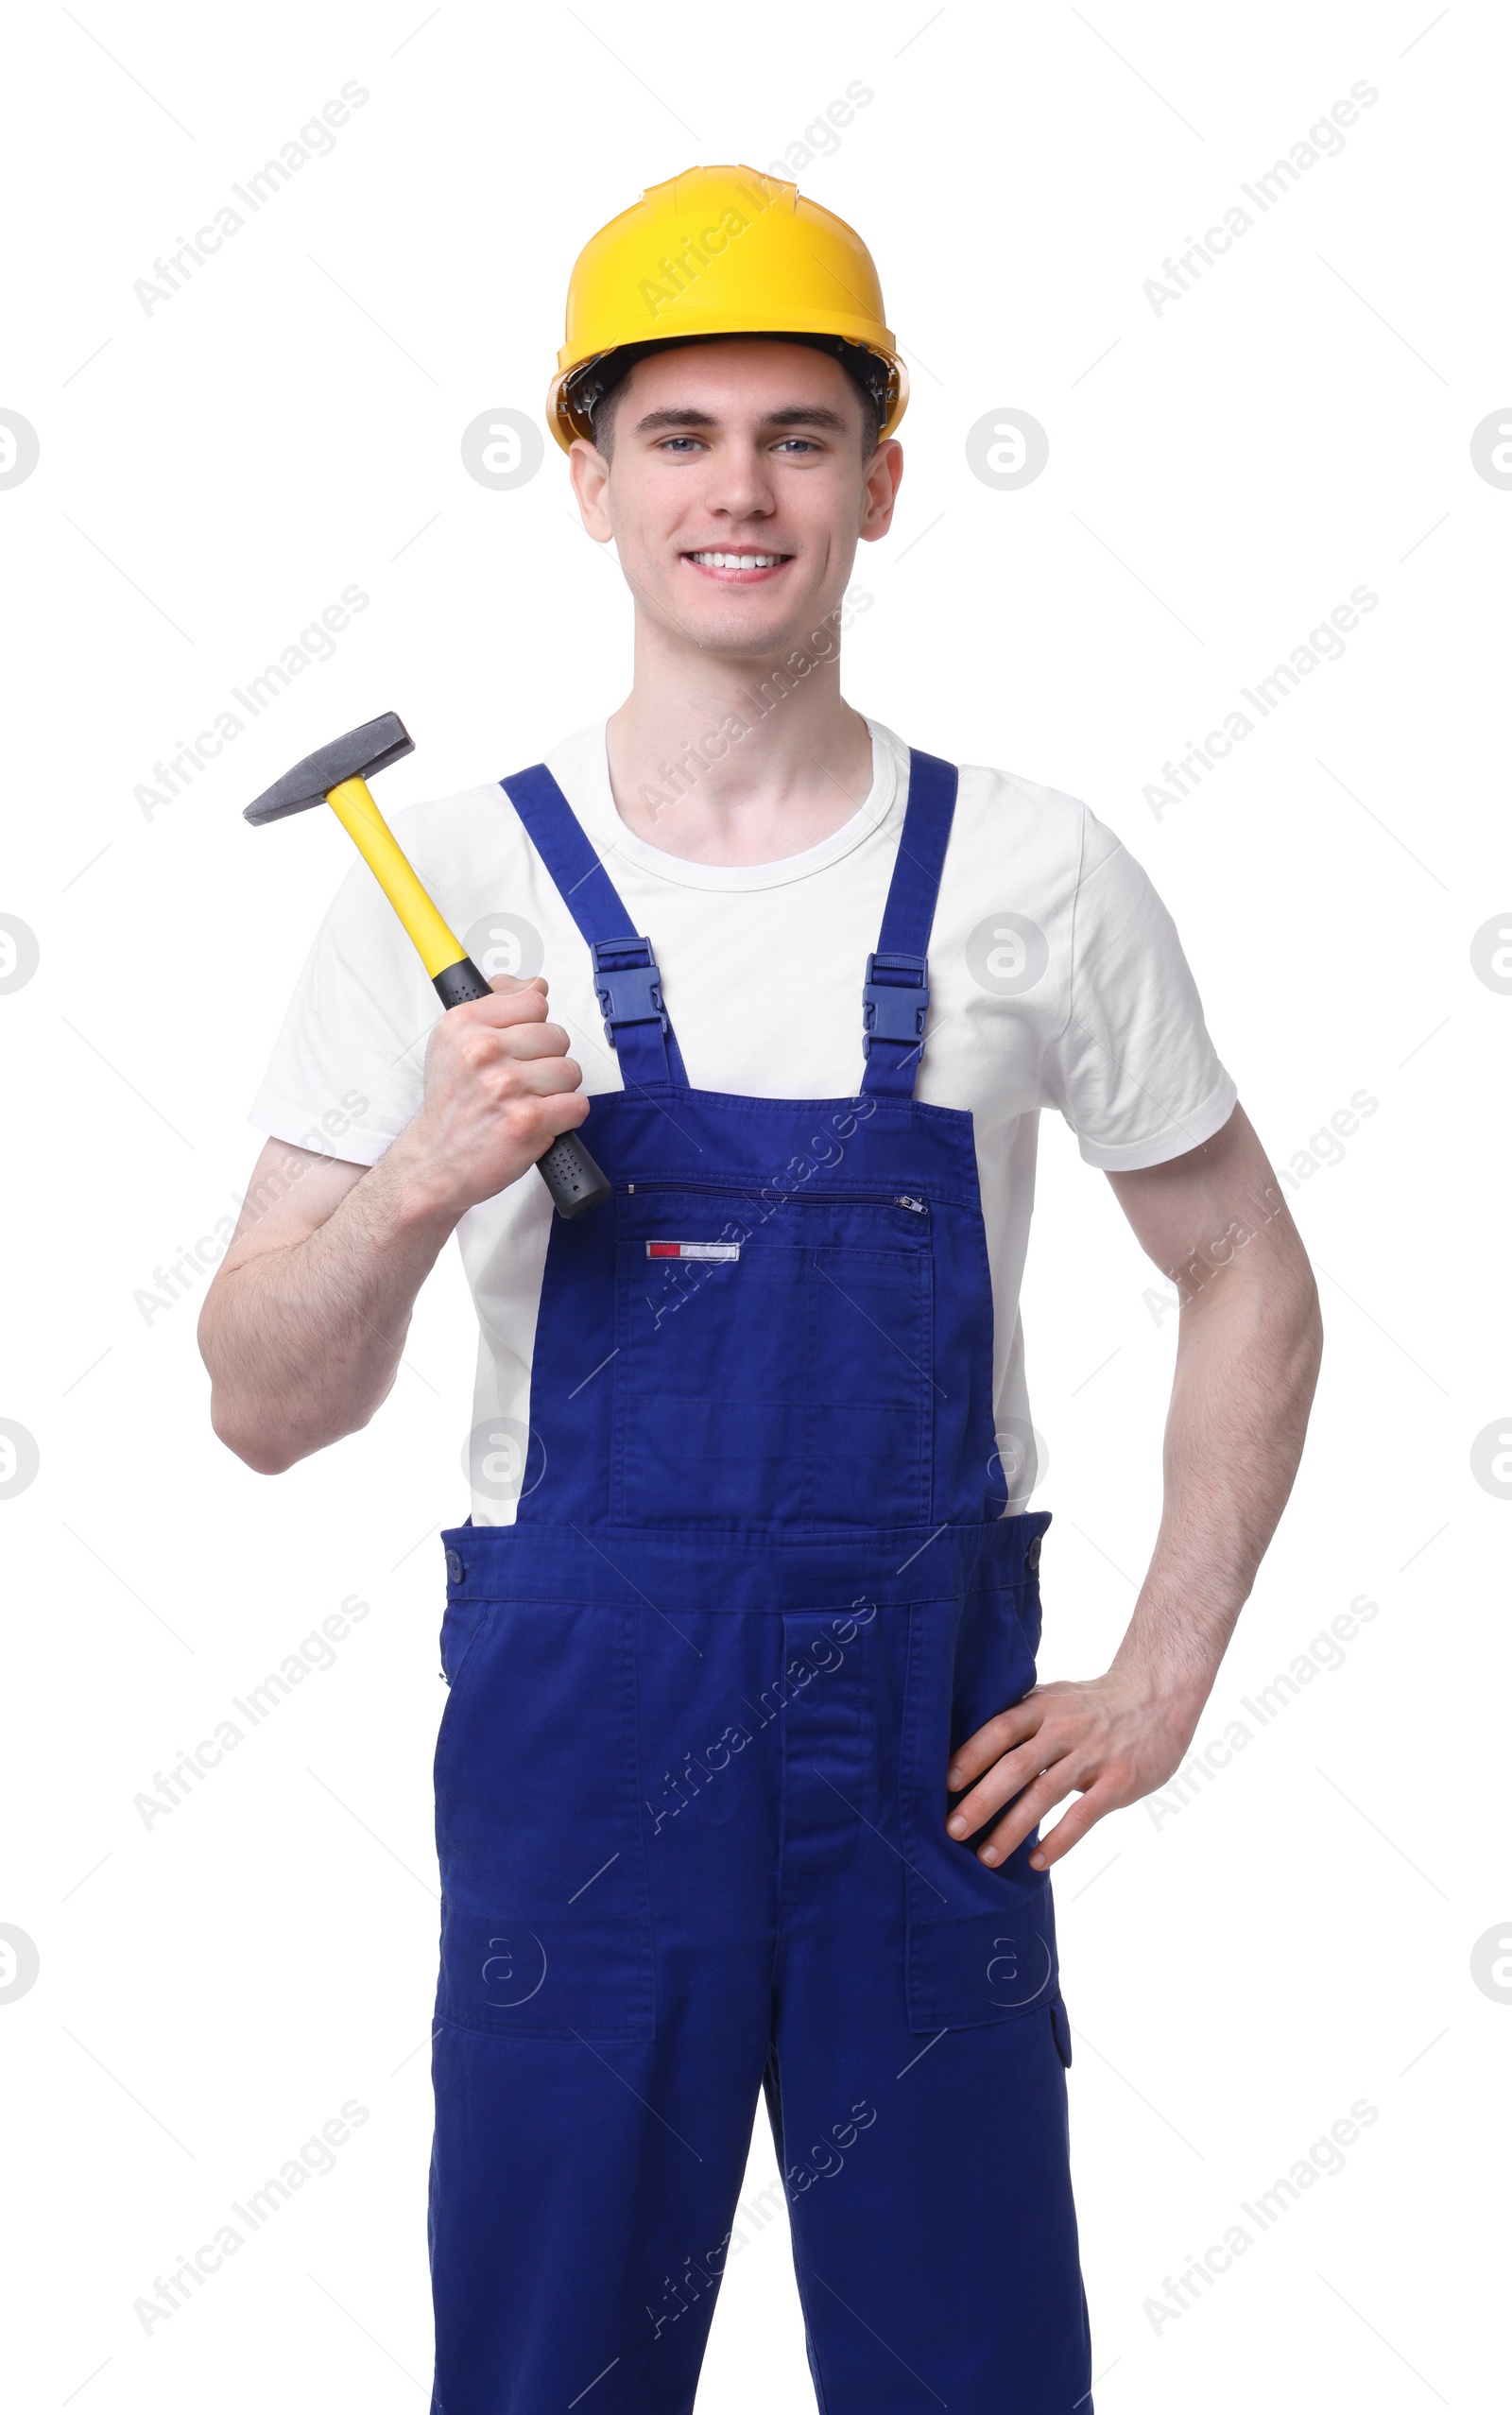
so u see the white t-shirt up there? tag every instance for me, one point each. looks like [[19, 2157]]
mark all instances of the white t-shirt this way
[[1056, 979]]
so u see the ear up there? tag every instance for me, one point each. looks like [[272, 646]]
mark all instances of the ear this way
[[883, 476], [590, 476]]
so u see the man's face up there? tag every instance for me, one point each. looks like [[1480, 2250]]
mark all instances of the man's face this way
[[736, 492]]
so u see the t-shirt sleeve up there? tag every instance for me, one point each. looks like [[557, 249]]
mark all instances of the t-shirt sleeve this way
[[1133, 1070], [347, 1071]]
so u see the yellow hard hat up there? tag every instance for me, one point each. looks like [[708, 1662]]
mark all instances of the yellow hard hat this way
[[721, 251]]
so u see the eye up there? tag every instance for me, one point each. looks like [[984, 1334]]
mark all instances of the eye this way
[[796, 444], [677, 443]]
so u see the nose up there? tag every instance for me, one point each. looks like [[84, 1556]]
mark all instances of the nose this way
[[739, 485]]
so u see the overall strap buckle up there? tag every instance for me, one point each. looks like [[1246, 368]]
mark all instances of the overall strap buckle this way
[[627, 983], [896, 998]]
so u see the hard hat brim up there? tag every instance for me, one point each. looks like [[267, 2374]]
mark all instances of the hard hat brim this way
[[567, 418]]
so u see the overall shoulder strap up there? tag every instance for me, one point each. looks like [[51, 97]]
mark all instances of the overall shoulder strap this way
[[895, 1001], [626, 974]]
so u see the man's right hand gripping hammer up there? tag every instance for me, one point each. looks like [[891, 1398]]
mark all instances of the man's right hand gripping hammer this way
[[337, 775]]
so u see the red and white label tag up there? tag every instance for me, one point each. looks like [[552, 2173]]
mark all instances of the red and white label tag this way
[[719, 1253]]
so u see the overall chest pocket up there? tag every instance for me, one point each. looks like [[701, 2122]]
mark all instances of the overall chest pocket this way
[[772, 1364]]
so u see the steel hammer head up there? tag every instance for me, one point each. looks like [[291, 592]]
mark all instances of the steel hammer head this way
[[354, 757]]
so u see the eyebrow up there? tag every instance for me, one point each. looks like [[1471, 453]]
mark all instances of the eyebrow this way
[[791, 415]]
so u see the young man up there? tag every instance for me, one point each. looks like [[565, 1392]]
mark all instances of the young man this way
[[740, 1775]]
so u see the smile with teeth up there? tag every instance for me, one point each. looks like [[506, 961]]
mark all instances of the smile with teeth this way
[[737, 560]]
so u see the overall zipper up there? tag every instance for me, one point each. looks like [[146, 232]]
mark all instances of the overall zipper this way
[[732, 1191]]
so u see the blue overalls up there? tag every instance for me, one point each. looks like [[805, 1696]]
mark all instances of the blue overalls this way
[[690, 1780]]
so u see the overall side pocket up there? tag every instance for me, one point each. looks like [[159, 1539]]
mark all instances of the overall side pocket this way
[[981, 1941], [463, 1626], [546, 1915]]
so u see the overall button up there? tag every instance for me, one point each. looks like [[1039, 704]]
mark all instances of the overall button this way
[[454, 1570], [1031, 1558]]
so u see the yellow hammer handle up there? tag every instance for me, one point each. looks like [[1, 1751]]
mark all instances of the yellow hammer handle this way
[[356, 810]]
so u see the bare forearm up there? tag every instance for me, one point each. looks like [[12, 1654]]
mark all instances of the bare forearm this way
[[303, 1343], [1247, 1368], [302, 1327]]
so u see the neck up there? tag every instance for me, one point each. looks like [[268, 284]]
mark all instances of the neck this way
[[736, 760]]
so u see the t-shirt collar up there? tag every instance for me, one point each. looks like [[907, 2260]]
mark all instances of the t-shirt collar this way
[[580, 767]]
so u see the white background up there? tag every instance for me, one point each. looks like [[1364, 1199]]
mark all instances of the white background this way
[[211, 475]]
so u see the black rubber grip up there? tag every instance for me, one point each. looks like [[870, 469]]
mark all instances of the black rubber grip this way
[[575, 1182], [460, 983]]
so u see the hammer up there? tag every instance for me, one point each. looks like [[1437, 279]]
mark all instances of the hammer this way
[[338, 773]]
